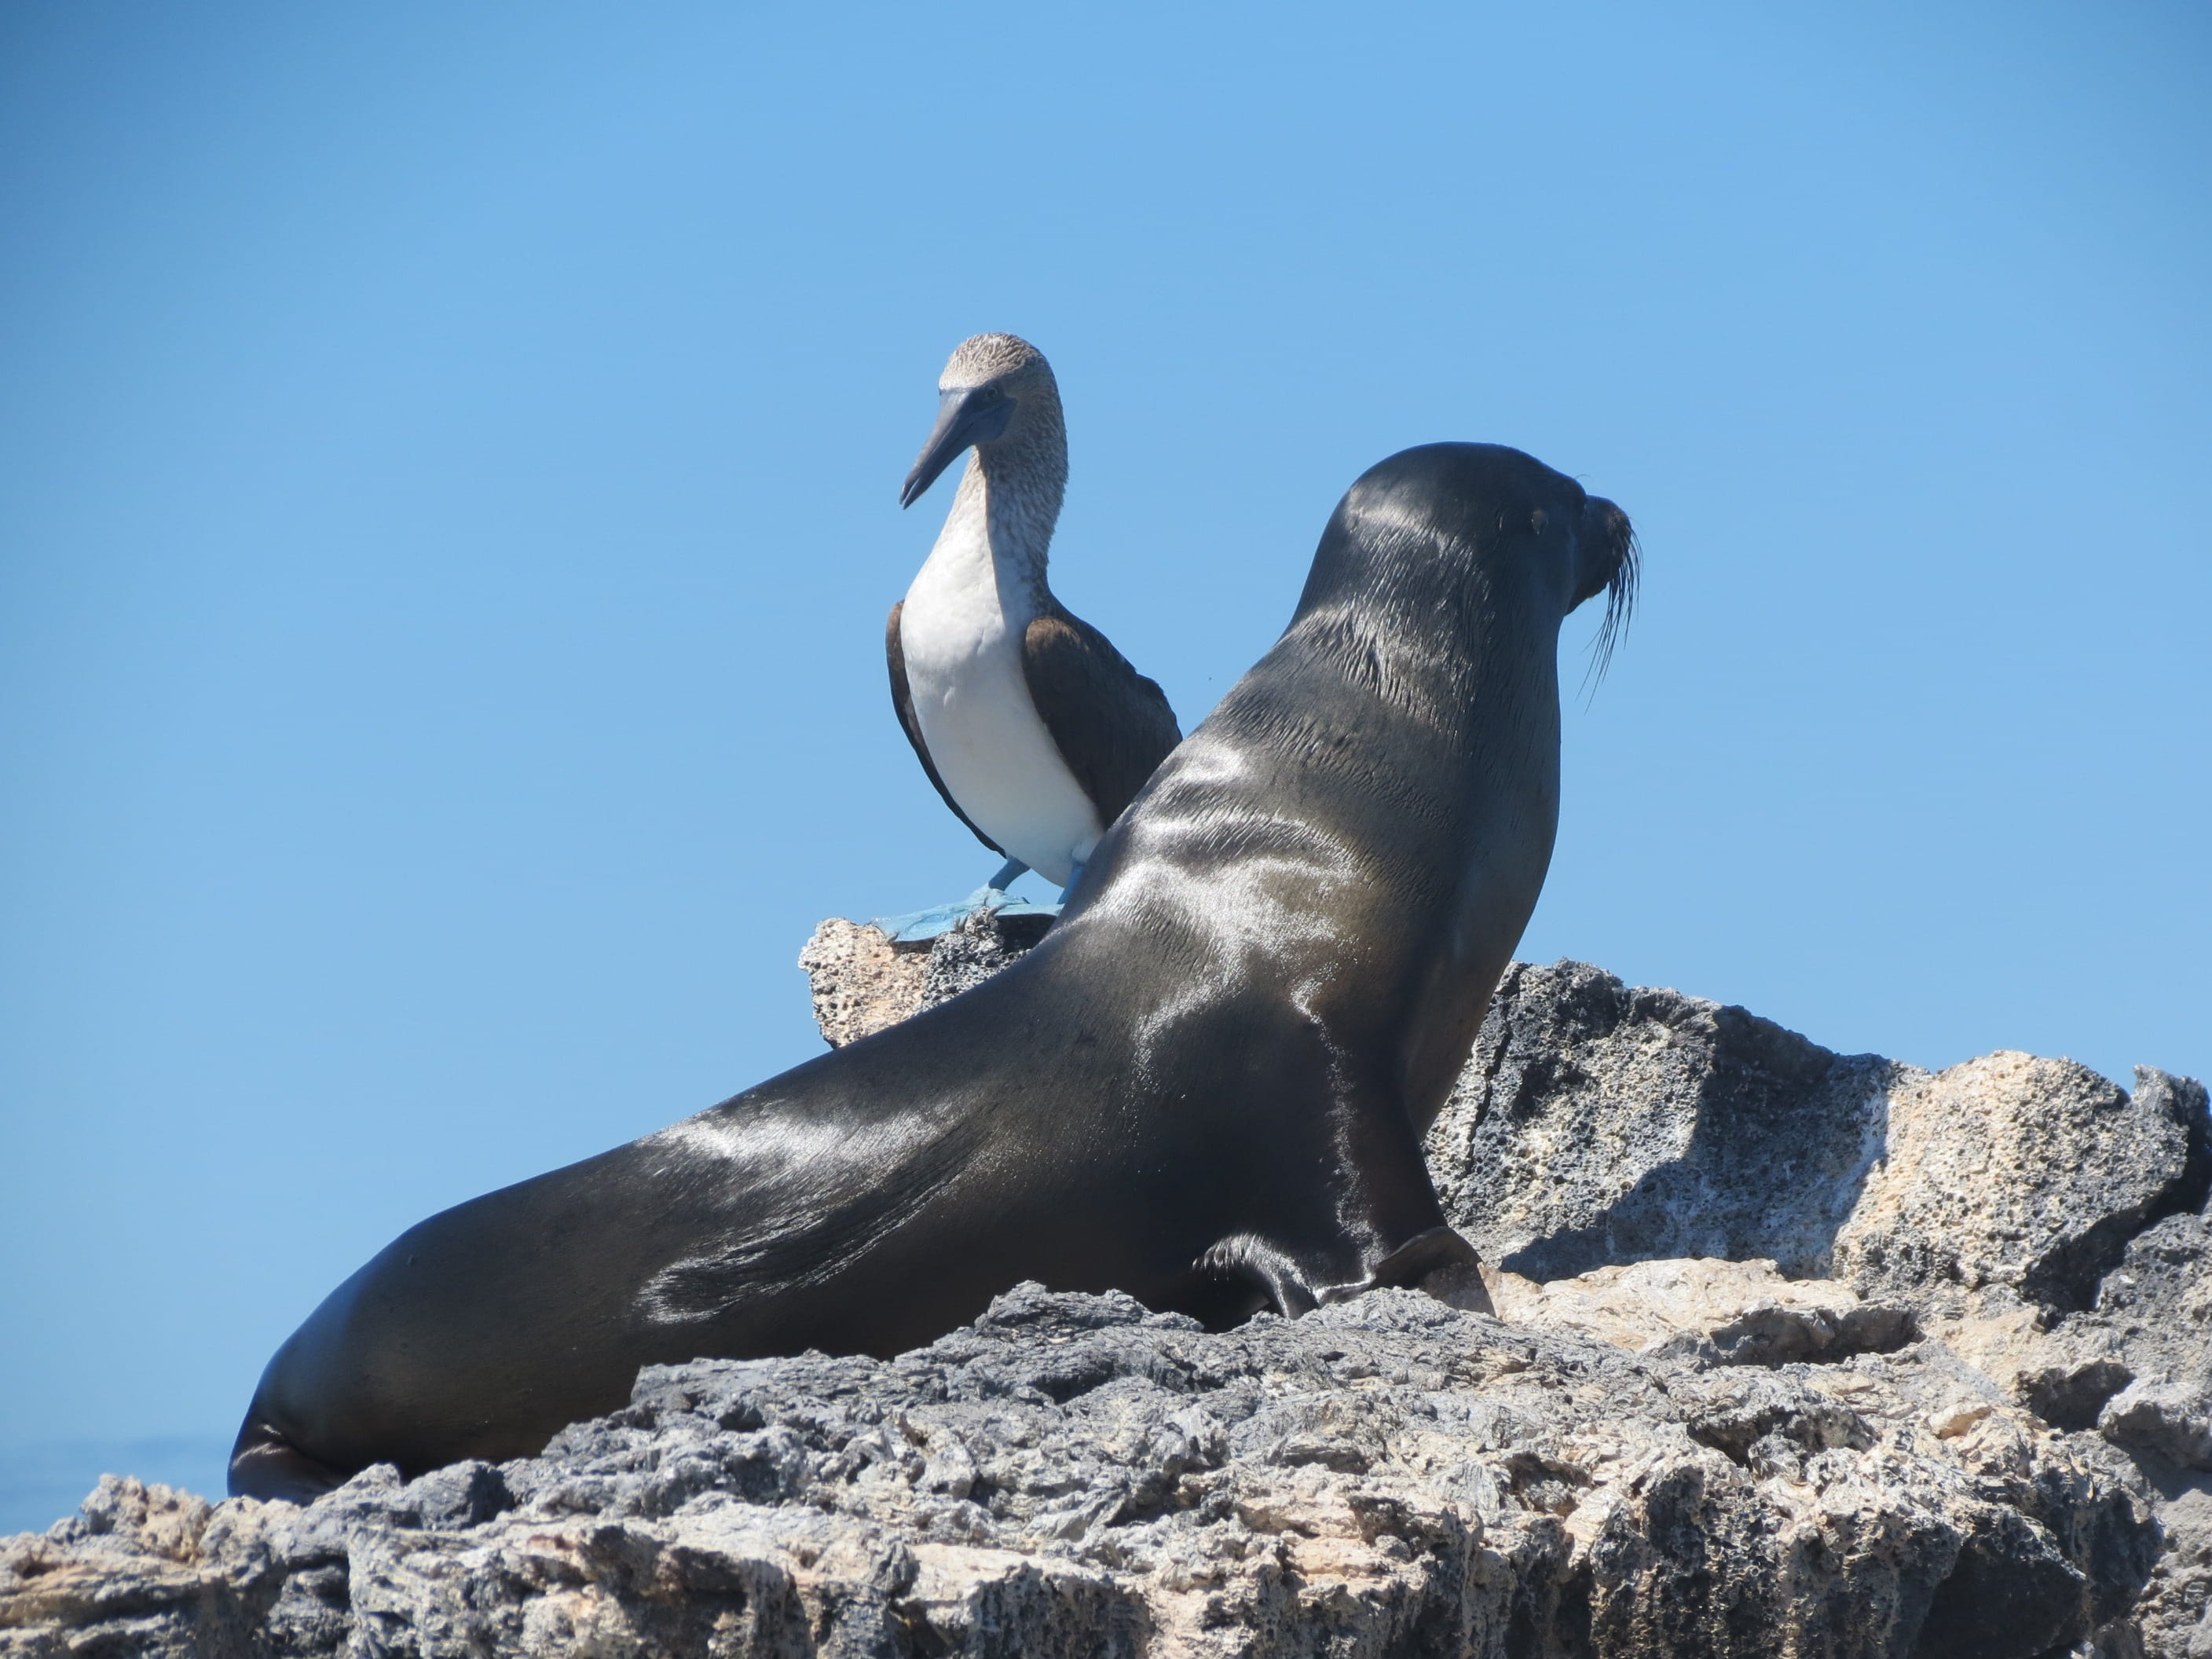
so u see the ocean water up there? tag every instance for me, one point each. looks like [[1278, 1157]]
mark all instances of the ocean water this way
[[41, 1482]]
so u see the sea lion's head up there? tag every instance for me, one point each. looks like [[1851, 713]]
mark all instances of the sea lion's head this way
[[1447, 530]]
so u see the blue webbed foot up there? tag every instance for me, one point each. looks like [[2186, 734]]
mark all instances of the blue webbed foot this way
[[944, 918]]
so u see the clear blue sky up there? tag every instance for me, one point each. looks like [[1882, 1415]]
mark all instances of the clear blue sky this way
[[448, 471]]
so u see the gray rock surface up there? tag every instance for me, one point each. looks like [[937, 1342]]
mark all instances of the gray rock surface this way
[[1599, 1123], [862, 981], [2152, 1326], [2040, 1223], [1074, 1475], [1734, 1313], [1799, 1353]]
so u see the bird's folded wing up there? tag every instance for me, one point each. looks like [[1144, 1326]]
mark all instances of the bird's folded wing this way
[[1111, 724]]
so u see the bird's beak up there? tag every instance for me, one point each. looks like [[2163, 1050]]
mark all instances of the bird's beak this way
[[973, 414]]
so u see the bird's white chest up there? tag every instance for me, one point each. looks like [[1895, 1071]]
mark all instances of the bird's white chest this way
[[961, 630]]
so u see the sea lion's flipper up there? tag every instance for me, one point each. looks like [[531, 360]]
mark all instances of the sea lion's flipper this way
[[1375, 1224], [1270, 1275], [1438, 1261]]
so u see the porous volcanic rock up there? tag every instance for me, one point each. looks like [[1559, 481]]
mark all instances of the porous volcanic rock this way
[[1736, 1313], [861, 980], [1074, 1475], [1602, 1123], [1800, 1353], [2038, 1222]]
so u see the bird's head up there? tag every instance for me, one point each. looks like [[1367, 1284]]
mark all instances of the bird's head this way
[[997, 391]]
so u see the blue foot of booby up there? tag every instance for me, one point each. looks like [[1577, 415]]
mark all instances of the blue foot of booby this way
[[944, 918], [1073, 876]]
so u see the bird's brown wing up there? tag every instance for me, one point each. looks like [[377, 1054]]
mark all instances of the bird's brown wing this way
[[903, 700], [1112, 725]]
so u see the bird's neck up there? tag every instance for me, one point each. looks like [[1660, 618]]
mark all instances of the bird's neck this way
[[1000, 525]]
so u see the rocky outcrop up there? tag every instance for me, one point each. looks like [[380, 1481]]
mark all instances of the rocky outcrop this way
[[1075, 1475], [1599, 1123], [862, 981], [1797, 1353], [2039, 1223]]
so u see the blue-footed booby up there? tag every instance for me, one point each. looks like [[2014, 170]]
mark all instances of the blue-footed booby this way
[[1033, 727]]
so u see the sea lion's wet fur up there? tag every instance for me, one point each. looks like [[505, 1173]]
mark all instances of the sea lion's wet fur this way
[[1207, 1086]]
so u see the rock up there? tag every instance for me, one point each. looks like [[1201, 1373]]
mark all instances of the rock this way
[[2156, 1308], [2137, 1368], [2071, 1394], [983, 943], [2039, 1222], [2174, 1616], [1074, 1475], [1598, 1123], [861, 981], [1801, 1353], [2173, 1418], [1732, 1312], [2014, 1170]]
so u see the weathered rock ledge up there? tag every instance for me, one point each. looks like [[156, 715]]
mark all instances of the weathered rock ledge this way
[[1798, 1354]]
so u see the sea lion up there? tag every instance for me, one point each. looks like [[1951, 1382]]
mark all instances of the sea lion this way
[[1206, 1087]]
